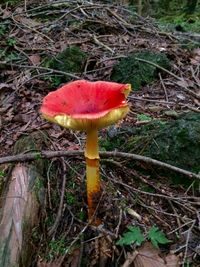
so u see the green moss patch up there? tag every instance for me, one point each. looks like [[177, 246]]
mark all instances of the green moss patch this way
[[70, 60], [137, 73], [176, 142]]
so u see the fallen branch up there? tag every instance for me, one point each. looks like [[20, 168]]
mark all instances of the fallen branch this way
[[40, 68], [53, 154]]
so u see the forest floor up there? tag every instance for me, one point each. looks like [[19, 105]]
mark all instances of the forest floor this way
[[32, 32]]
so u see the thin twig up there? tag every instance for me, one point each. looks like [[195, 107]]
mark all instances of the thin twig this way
[[119, 223], [32, 29], [152, 100], [146, 192], [96, 41], [164, 88], [48, 184], [188, 238], [39, 68], [59, 213], [51, 154], [172, 74], [164, 103]]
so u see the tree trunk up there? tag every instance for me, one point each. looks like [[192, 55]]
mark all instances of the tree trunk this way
[[19, 210]]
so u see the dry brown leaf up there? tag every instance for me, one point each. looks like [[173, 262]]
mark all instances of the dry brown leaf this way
[[183, 83], [35, 59], [148, 256], [4, 85], [6, 14], [74, 258], [55, 263], [196, 51], [26, 21], [195, 60]]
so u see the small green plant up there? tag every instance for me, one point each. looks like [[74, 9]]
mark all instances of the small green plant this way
[[2, 174], [135, 236], [70, 198], [55, 80], [143, 117], [82, 215], [11, 41], [11, 56], [157, 237], [3, 29], [57, 247], [49, 220]]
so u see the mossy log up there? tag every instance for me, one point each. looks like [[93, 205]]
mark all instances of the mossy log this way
[[19, 212], [176, 142]]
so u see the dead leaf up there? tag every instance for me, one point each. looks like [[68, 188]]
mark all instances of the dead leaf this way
[[196, 51], [183, 83], [5, 86], [6, 14], [26, 21], [54, 263], [73, 260], [195, 60], [35, 59], [148, 256]]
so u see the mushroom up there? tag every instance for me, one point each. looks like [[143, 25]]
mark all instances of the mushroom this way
[[88, 106]]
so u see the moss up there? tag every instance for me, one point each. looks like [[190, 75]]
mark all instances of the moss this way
[[33, 142], [70, 60], [130, 70], [175, 142], [178, 143], [180, 23], [178, 16]]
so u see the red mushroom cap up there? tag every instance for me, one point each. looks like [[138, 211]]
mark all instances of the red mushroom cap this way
[[82, 104]]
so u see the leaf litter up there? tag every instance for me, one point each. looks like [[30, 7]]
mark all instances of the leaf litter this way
[[106, 33]]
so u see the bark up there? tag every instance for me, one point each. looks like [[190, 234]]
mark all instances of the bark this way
[[19, 213]]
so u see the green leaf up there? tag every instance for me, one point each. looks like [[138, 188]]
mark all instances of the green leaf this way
[[157, 237], [134, 235]]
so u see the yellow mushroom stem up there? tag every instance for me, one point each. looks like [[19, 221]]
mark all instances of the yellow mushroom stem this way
[[92, 172]]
